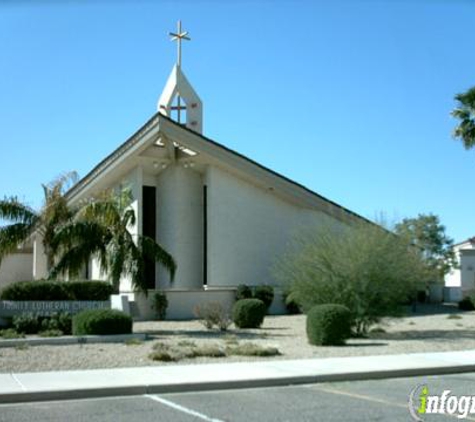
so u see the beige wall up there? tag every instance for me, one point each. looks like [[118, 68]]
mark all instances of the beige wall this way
[[180, 225], [16, 267], [181, 303], [248, 229]]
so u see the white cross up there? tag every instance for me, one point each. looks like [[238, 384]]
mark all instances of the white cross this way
[[178, 37]]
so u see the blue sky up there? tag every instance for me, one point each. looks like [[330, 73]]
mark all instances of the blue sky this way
[[350, 98]]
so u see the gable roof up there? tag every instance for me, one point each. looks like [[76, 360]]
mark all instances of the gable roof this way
[[160, 123]]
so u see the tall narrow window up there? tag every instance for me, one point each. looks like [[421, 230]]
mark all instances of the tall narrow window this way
[[149, 228], [205, 235]]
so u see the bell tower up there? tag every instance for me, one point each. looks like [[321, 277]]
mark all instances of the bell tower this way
[[179, 100]]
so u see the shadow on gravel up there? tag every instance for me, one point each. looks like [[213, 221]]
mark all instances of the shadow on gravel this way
[[218, 335], [425, 309], [368, 344], [437, 335]]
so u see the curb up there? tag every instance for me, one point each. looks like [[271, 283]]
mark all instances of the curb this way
[[86, 393], [51, 341]]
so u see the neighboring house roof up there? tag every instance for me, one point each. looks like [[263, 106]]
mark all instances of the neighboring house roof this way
[[192, 140], [469, 240]]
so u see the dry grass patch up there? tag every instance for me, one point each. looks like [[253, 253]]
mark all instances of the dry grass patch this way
[[133, 342], [252, 349], [186, 349]]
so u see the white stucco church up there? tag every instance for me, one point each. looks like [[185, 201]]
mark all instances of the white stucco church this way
[[223, 217]]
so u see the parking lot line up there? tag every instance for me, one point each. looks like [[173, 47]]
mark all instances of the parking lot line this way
[[181, 408]]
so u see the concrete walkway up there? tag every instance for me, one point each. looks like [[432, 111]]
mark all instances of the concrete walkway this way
[[22, 387]]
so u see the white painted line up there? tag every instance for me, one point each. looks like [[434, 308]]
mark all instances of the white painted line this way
[[18, 381], [182, 408]]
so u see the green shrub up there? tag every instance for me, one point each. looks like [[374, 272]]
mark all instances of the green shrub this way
[[160, 305], [362, 266], [60, 322], [90, 290], [328, 325], [30, 323], [10, 333], [249, 313], [101, 322], [36, 290], [51, 333], [64, 322], [243, 291], [467, 304], [57, 290], [27, 323], [293, 308], [264, 293], [213, 314]]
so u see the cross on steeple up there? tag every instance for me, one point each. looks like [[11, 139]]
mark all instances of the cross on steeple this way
[[178, 37]]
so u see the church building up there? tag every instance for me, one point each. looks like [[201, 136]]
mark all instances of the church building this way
[[223, 217]]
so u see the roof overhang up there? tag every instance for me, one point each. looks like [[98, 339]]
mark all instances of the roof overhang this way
[[160, 126]]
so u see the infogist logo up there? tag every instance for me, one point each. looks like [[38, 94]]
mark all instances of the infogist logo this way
[[421, 403]]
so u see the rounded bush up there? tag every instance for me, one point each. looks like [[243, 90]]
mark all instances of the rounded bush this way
[[467, 304], [243, 291], [328, 325], [249, 313], [101, 322], [264, 293]]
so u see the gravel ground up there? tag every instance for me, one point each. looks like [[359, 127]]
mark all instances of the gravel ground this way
[[443, 330]]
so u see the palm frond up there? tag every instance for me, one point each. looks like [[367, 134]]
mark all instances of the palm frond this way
[[103, 211], [90, 234], [11, 209], [12, 236], [62, 182], [154, 251], [72, 262]]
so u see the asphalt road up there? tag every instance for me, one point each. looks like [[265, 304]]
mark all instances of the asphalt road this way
[[377, 400]]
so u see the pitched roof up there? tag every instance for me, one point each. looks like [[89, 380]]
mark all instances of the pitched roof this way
[[156, 119]]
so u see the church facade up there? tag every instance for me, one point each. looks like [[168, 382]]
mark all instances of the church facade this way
[[223, 217]]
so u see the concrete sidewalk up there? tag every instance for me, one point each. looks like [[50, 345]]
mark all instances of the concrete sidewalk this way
[[22, 387]]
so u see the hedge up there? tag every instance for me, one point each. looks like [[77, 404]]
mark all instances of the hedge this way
[[101, 322], [467, 304], [264, 293], [57, 290], [249, 313], [328, 325]]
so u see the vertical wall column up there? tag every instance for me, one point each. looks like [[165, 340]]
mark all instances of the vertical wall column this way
[[40, 266], [180, 225]]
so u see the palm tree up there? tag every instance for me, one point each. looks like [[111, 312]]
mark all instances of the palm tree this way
[[25, 221], [101, 229], [465, 112]]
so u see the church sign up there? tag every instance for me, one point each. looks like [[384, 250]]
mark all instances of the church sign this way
[[10, 308]]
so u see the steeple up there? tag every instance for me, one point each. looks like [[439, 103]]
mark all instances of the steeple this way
[[179, 100]]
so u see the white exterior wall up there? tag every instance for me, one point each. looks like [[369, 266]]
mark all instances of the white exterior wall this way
[[40, 262], [180, 225], [16, 267], [467, 270], [248, 228], [182, 303], [460, 282]]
